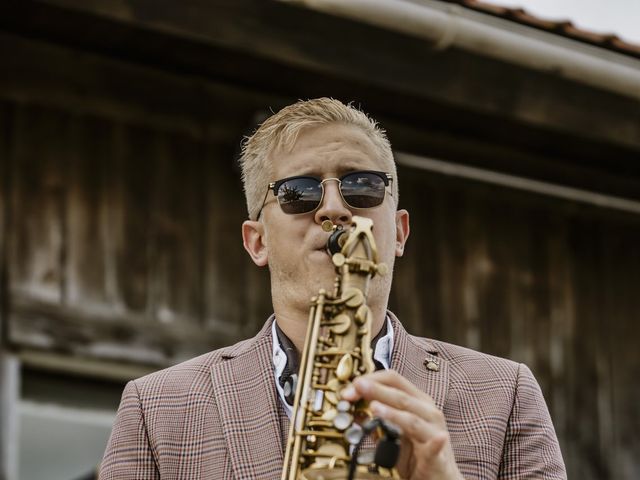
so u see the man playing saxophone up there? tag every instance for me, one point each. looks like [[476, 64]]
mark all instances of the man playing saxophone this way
[[225, 414]]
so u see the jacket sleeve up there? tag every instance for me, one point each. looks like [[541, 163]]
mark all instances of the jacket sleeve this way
[[531, 449], [129, 454]]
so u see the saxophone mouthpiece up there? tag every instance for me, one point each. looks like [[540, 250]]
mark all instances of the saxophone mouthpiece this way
[[336, 239]]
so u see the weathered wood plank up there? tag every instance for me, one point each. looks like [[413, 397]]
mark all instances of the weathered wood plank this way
[[588, 364], [129, 337], [133, 259], [134, 221], [159, 246], [175, 276], [236, 291], [620, 330], [422, 259], [563, 327], [527, 300], [88, 227], [38, 202], [499, 223]]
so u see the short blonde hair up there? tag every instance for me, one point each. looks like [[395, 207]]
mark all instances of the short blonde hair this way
[[281, 130]]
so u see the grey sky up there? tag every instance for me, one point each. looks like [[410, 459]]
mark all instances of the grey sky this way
[[621, 17]]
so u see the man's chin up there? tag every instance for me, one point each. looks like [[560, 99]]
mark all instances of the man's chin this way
[[323, 275]]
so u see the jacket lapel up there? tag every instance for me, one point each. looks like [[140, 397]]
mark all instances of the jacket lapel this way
[[243, 385], [417, 360]]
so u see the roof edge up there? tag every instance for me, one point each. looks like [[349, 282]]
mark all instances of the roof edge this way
[[446, 25]]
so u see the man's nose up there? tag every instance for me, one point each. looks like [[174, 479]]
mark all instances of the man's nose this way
[[332, 206]]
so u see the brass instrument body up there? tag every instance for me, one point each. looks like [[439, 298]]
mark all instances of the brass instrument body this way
[[337, 349]]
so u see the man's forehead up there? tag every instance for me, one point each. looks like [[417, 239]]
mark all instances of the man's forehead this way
[[332, 134], [325, 167], [330, 149]]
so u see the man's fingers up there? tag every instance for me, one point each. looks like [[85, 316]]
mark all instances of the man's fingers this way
[[417, 403], [411, 427], [390, 378], [351, 394], [435, 445]]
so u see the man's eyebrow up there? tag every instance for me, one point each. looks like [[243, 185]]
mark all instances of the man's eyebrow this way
[[340, 170], [349, 167]]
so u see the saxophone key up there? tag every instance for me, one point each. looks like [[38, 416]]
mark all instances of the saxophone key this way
[[343, 420], [344, 370], [340, 324], [318, 401]]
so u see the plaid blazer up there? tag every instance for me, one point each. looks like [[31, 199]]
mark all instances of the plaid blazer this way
[[216, 416]]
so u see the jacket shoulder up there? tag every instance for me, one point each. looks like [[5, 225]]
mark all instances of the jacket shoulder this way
[[471, 364], [187, 375]]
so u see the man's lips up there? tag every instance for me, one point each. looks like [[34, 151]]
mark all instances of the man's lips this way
[[320, 243], [322, 249]]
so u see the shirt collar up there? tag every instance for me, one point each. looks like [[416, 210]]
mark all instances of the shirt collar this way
[[382, 354]]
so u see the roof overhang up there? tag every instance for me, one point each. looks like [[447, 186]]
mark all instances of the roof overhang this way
[[447, 25], [455, 87]]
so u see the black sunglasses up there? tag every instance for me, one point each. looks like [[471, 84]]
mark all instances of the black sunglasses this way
[[303, 194]]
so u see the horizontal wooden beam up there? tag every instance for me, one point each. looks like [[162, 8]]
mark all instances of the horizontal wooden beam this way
[[118, 338], [518, 183], [81, 366]]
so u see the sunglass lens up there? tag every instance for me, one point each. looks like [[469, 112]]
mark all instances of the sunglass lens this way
[[299, 195], [363, 189]]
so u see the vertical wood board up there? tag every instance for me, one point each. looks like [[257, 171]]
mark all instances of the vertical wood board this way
[[38, 202]]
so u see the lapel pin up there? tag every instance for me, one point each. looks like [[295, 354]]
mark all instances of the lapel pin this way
[[431, 365]]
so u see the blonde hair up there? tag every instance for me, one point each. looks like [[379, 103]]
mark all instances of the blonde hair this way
[[281, 130]]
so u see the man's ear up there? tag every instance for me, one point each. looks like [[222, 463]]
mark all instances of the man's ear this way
[[402, 231], [254, 242]]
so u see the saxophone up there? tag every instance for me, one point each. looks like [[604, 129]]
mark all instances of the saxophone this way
[[327, 431]]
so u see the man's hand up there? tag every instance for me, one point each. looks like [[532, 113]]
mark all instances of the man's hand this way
[[425, 452]]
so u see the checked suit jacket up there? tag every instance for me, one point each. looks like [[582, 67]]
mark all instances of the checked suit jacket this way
[[217, 416]]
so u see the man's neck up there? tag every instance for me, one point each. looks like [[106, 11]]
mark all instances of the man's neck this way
[[294, 325]]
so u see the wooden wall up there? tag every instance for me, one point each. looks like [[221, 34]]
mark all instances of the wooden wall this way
[[548, 282], [121, 205]]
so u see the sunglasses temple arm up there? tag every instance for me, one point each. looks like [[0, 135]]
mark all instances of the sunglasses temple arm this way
[[263, 202]]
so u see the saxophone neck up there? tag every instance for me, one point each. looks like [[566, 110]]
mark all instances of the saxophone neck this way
[[354, 253]]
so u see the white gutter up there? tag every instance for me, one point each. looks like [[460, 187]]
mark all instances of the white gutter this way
[[446, 25]]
